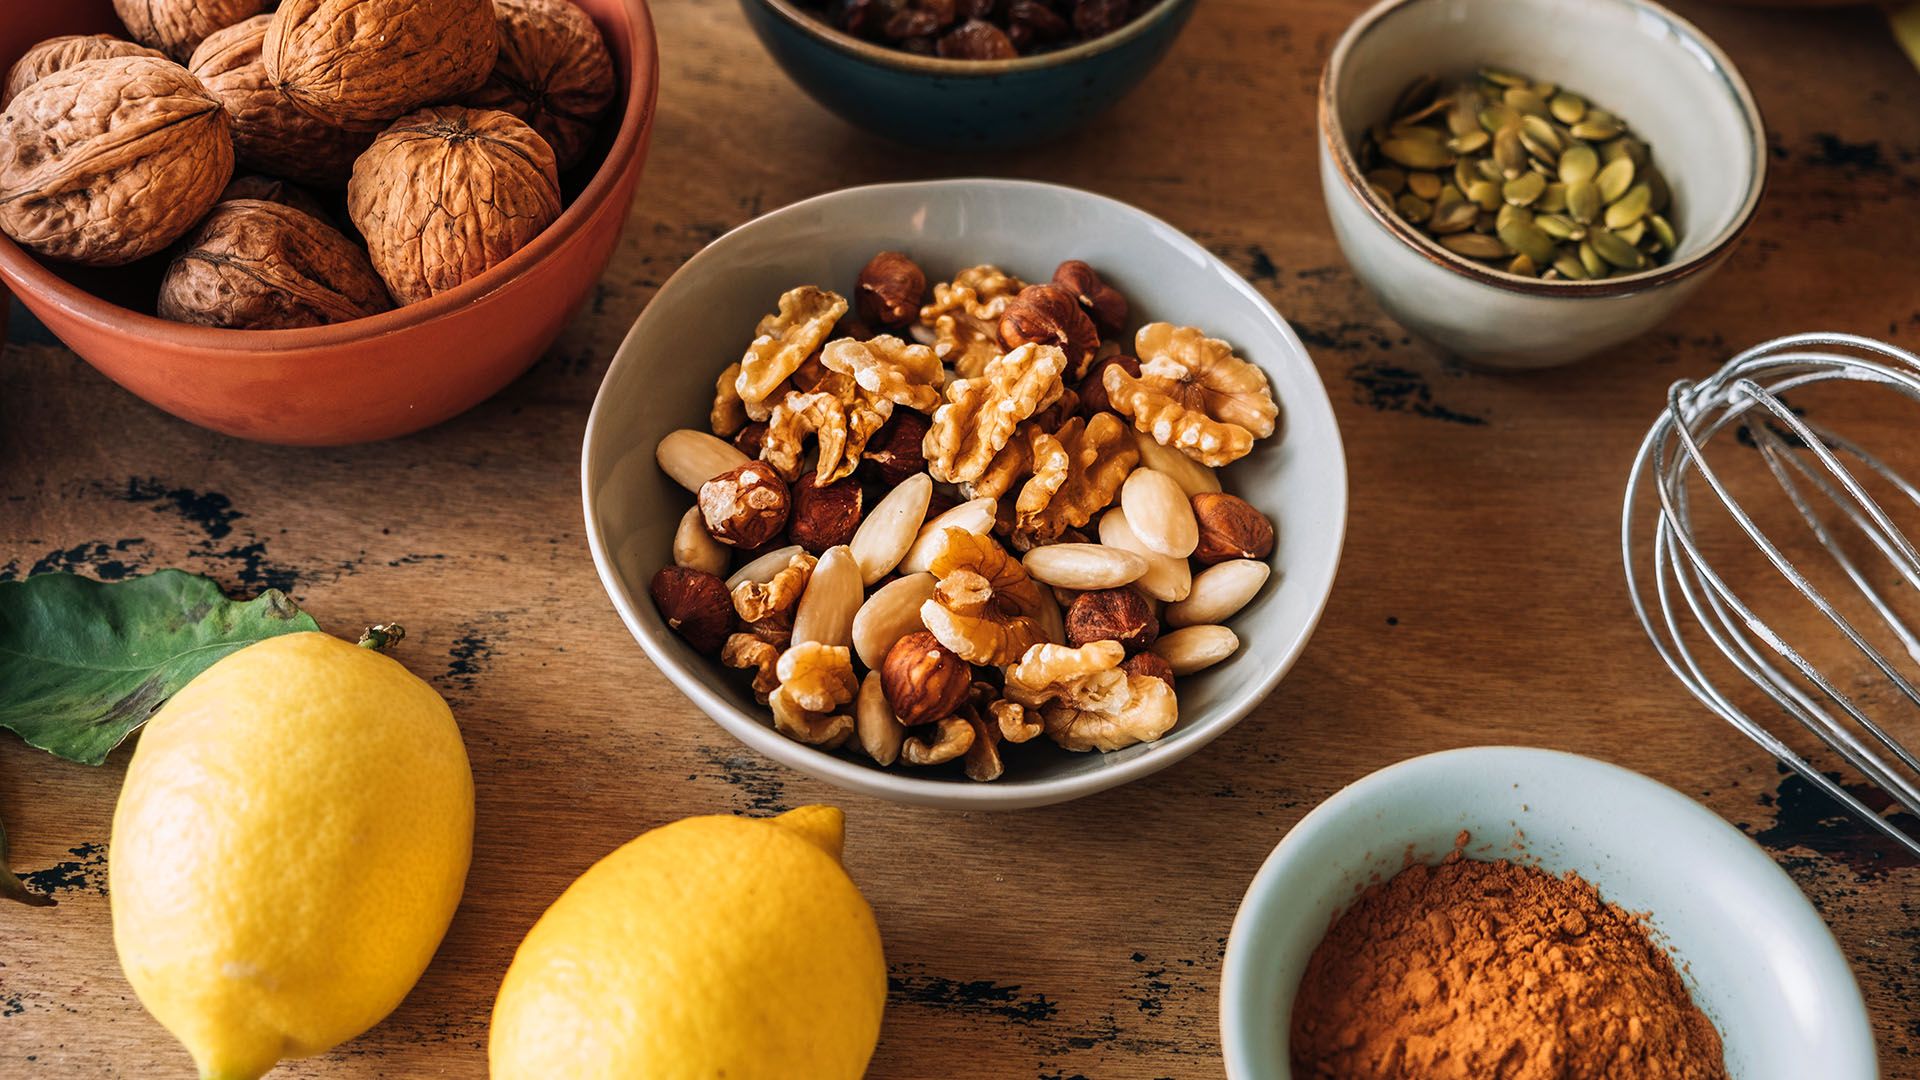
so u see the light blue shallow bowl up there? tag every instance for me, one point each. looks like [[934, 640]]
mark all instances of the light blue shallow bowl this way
[[963, 104]]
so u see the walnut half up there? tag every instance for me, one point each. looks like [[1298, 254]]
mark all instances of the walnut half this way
[[1087, 701], [1193, 394]]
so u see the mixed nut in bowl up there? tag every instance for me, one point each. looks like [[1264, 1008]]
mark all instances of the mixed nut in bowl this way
[[1510, 188], [1004, 591], [968, 74], [319, 223]]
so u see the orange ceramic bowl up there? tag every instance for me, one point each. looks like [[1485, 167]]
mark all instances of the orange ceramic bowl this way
[[373, 378]]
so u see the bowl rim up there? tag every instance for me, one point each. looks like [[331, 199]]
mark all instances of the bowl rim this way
[[1358, 798], [893, 785], [1335, 142], [30, 276], [901, 60]]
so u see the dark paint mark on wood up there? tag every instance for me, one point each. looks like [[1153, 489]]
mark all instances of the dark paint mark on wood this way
[[99, 556], [980, 997], [1838, 153], [1397, 389], [87, 870], [468, 658], [758, 779], [1805, 819], [1346, 337], [212, 511]]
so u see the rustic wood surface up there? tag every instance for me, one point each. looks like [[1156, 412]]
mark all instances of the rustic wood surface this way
[[1480, 600]]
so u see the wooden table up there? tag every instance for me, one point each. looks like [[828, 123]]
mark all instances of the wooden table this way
[[1480, 601]]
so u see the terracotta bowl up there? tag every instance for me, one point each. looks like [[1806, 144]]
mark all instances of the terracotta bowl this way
[[374, 378]]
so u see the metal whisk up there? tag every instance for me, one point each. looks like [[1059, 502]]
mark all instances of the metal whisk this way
[[1812, 467]]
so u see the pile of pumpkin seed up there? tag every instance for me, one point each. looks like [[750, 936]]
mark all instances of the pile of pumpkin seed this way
[[1521, 174]]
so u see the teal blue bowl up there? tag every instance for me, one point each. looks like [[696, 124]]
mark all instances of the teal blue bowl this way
[[963, 104]]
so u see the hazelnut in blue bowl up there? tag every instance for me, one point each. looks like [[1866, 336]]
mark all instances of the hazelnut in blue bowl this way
[[967, 74]]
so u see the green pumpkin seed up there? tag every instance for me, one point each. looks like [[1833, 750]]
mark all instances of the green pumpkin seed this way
[[1526, 238], [1554, 199], [1413, 208], [1613, 180], [1474, 246], [1484, 193], [1495, 117], [1509, 213], [1539, 138], [1417, 153], [1567, 108], [1663, 230], [1491, 170], [1424, 184], [1616, 251], [1556, 225], [1584, 202], [1523, 190], [1508, 152], [1590, 259], [1570, 267], [1657, 183], [1504, 78], [1453, 216], [1592, 130], [1630, 208], [1470, 142], [1523, 266], [1464, 114], [1632, 233], [1578, 162], [1487, 222], [1388, 177], [1524, 100], [1625, 146]]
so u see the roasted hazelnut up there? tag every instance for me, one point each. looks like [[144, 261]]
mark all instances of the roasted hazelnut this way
[[749, 439], [1049, 315], [977, 39], [824, 515], [974, 9], [1230, 528], [745, 506], [889, 290], [896, 450], [1093, 388], [695, 604], [1120, 615], [1103, 302], [1147, 663], [924, 681], [1098, 18], [1033, 21]]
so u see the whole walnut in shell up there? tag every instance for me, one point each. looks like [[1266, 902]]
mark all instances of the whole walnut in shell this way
[[257, 265], [553, 71], [176, 27], [270, 133], [111, 160], [56, 53], [446, 193], [364, 62]]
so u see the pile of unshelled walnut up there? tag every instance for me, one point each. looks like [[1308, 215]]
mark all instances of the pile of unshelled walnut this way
[[1010, 431], [440, 127]]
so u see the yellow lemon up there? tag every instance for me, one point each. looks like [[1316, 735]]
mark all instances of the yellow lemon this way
[[288, 849], [711, 947]]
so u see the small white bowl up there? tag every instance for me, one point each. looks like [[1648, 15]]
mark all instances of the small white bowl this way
[[1756, 956], [1672, 86], [662, 378]]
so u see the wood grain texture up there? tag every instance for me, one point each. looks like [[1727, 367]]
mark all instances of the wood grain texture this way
[[1480, 600]]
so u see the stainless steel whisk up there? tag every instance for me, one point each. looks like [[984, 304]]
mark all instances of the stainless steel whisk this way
[[1810, 464]]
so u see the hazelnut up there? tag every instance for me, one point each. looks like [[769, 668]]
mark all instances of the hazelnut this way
[[1120, 615], [745, 506], [889, 290], [824, 515], [1147, 663], [748, 440], [1093, 388], [1031, 22], [924, 681], [695, 604], [1103, 302], [977, 39], [1098, 18], [1049, 315], [896, 451], [1230, 528]]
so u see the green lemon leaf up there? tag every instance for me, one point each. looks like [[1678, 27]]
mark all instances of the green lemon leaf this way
[[83, 662]]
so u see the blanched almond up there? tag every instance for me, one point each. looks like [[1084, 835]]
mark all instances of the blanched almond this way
[[1158, 510], [1166, 578], [879, 730], [891, 613], [826, 610], [694, 457], [763, 568], [695, 548], [1084, 566], [1193, 648], [890, 528], [1219, 592], [976, 517], [1192, 476]]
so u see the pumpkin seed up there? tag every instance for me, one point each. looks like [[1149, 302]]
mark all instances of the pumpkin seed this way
[[1490, 169], [1661, 196], [1415, 95], [1614, 180], [1583, 201], [1539, 138], [1663, 231], [1630, 208], [1416, 153], [1388, 177], [1474, 246], [1524, 190], [1508, 152], [1591, 261], [1469, 142], [1463, 117], [1567, 108], [1523, 266], [1553, 200], [1625, 146], [1495, 117], [1632, 233], [1414, 208], [1424, 184], [1452, 216], [1578, 162], [1524, 100], [1523, 236], [1556, 226], [1504, 78], [1613, 249], [1569, 265], [1380, 193], [1484, 193]]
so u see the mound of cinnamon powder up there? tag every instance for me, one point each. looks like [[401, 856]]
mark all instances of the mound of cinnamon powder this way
[[1499, 971]]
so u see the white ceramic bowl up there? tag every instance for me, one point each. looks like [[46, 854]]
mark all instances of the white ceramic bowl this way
[[662, 378], [1753, 951], [1675, 88]]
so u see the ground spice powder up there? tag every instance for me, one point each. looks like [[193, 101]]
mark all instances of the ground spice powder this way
[[1495, 970]]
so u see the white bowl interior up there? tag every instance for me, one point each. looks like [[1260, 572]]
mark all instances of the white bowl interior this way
[[662, 378], [1629, 57], [1757, 957]]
